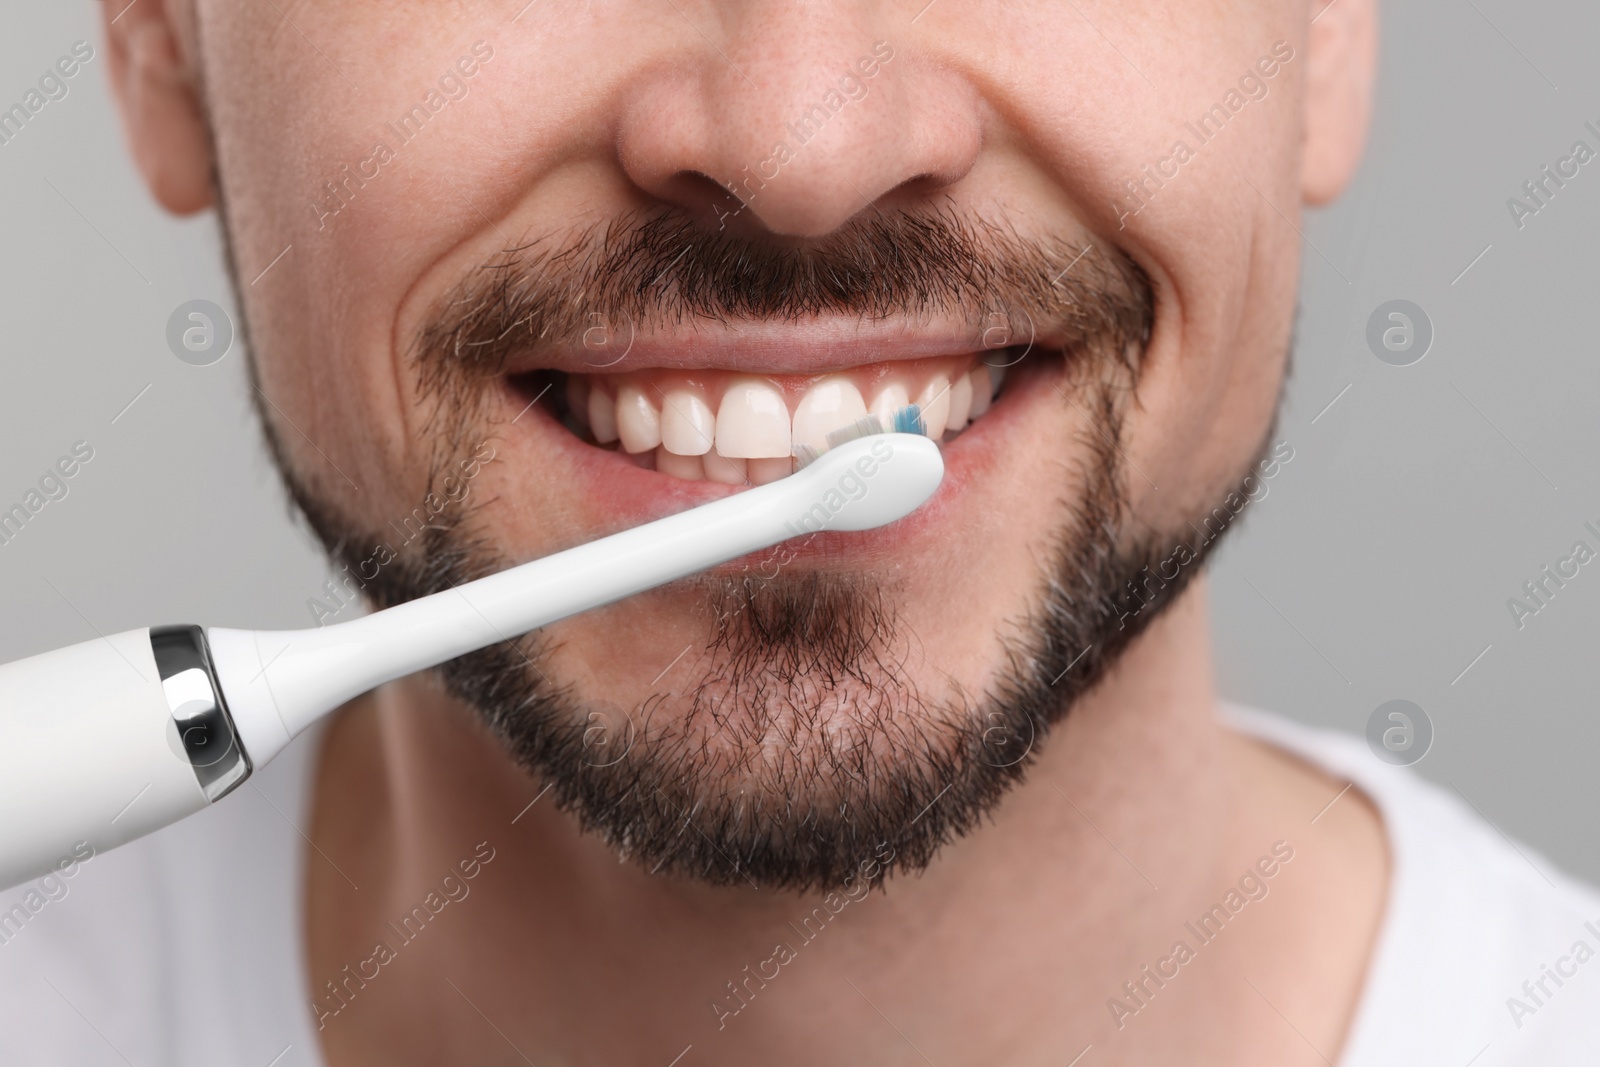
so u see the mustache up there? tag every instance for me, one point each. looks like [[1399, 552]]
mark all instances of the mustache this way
[[663, 269]]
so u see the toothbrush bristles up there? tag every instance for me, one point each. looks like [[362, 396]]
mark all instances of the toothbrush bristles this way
[[865, 426], [909, 420], [906, 420]]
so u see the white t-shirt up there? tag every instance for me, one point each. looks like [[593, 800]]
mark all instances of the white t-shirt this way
[[185, 949]]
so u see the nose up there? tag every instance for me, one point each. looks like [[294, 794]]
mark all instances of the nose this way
[[794, 117]]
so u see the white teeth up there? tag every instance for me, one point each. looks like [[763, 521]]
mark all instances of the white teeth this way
[[686, 422], [753, 423], [831, 404], [638, 420], [934, 401], [890, 398], [960, 404], [725, 469], [679, 466], [769, 469], [750, 437], [982, 390], [602, 412]]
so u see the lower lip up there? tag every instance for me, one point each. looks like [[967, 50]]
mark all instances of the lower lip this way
[[619, 495]]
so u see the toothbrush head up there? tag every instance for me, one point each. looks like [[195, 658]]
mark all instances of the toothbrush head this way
[[905, 420], [868, 480]]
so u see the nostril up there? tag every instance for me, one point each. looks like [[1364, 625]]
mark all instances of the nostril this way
[[835, 124], [917, 191], [705, 198]]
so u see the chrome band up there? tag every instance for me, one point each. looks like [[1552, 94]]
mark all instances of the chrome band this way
[[204, 726]]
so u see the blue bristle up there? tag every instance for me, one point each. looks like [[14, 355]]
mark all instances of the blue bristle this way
[[908, 420]]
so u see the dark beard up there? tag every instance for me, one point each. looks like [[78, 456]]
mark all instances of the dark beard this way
[[804, 756]]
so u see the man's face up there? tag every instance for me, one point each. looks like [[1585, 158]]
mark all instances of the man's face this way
[[481, 228]]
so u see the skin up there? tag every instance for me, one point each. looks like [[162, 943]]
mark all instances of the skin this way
[[1008, 947]]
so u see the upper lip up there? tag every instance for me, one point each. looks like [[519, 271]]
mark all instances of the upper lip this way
[[811, 347]]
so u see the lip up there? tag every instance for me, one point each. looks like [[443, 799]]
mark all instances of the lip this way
[[807, 347], [614, 494]]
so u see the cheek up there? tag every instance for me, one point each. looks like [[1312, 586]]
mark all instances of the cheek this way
[[330, 320], [1212, 375], [325, 248], [1223, 258]]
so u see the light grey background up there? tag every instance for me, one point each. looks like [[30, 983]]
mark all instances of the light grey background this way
[[1378, 567]]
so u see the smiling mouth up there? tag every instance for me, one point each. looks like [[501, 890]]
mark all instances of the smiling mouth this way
[[739, 428]]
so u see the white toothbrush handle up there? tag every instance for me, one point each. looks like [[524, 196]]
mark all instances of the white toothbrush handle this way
[[105, 741], [278, 683], [111, 739]]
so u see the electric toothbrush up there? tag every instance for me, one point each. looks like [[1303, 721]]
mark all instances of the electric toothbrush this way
[[109, 740]]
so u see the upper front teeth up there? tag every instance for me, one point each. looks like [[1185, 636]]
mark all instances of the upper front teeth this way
[[752, 422], [890, 398], [686, 421], [746, 433], [830, 404]]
